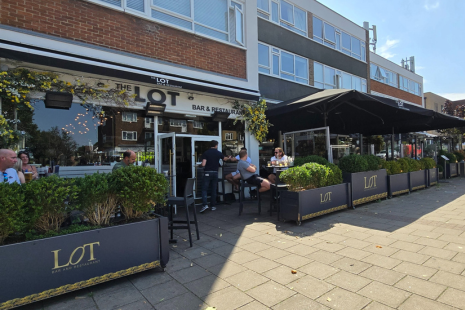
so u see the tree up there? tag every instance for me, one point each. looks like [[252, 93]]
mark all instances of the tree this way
[[54, 144]]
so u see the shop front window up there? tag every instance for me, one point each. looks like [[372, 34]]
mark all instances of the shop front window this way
[[233, 137], [197, 126]]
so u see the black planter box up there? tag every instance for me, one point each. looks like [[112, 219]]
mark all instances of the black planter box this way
[[367, 186], [417, 180], [452, 170], [433, 176], [398, 184], [301, 206], [45, 268]]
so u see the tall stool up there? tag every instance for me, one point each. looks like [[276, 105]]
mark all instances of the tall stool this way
[[275, 188], [244, 185], [186, 201]]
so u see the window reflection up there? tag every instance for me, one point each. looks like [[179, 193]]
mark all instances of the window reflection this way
[[233, 137]]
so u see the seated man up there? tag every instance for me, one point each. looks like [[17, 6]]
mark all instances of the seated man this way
[[234, 177], [248, 172]]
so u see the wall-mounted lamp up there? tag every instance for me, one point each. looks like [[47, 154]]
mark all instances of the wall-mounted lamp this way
[[220, 116], [190, 96], [155, 109], [58, 100]]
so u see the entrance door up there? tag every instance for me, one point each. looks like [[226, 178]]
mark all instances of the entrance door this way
[[167, 158], [199, 145]]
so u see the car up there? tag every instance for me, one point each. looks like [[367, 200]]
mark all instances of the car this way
[[382, 154]]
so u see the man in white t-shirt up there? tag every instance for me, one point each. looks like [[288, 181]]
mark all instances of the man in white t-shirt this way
[[234, 177], [8, 159]]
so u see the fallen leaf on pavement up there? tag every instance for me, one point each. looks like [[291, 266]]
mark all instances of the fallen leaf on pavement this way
[[379, 247], [293, 271], [328, 299]]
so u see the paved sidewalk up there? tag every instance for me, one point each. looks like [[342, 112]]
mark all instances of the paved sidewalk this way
[[402, 253]]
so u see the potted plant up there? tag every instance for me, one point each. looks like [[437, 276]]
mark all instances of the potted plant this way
[[60, 259], [417, 173], [367, 178], [397, 178], [314, 190], [452, 166], [431, 171]]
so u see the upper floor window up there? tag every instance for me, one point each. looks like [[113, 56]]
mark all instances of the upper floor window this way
[[333, 37], [284, 13], [409, 85], [178, 122], [281, 63], [219, 19], [129, 117], [130, 135], [330, 78], [383, 75], [148, 122]]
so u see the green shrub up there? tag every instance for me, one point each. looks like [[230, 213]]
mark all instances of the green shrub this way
[[414, 165], [335, 177], [97, 198], [458, 155], [440, 168], [311, 159], [11, 209], [353, 163], [404, 164], [373, 161], [49, 200], [311, 175], [452, 158], [428, 163], [392, 167], [66, 231], [138, 189]]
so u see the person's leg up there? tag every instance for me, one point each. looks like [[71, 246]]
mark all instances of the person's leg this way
[[265, 186], [213, 186], [205, 185], [237, 181], [229, 178], [272, 178]]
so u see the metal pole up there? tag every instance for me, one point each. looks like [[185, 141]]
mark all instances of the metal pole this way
[[361, 144], [392, 145], [416, 146]]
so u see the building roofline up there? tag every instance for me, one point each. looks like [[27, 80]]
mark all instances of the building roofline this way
[[340, 14], [394, 63]]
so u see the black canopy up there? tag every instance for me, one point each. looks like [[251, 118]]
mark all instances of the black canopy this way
[[351, 111]]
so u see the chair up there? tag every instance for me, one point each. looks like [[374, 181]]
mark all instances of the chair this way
[[275, 188], [186, 201], [226, 169], [244, 184]]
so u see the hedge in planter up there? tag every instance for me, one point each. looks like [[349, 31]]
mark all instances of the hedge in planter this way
[[432, 172], [53, 266], [368, 180], [398, 180], [314, 190]]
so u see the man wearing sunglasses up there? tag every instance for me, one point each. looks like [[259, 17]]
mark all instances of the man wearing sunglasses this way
[[8, 159]]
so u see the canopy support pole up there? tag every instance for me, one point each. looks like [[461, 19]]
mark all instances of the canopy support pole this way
[[361, 144], [392, 144]]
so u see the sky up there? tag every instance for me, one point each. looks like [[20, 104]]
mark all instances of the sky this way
[[431, 30]]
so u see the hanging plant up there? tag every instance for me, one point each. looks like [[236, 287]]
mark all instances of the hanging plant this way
[[253, 114], [16, 86]]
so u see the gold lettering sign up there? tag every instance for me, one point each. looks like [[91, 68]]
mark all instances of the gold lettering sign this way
[[79, 250], [371, 182], [326, 197]]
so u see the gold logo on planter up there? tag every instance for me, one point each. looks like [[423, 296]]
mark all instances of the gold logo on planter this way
[[74, 258], [371, 182], [326, 197]]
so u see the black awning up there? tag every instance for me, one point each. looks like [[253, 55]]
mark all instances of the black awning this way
[[351, 111]]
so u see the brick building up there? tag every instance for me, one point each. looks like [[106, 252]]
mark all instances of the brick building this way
[[194, 57]]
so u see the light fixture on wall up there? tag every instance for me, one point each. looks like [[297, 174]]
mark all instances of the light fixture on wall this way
[[190, 96], [155, 109], [58, 100]]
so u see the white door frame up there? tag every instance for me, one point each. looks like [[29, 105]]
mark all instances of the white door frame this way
[[172, 171]]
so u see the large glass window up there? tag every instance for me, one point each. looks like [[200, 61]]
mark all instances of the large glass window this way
[[329, 78], [206, 17], [284, 64], [285, 14], [383, 75], [233, 138], [330, 36]]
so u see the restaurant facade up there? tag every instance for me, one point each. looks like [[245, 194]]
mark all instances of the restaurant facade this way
[[185, 72]]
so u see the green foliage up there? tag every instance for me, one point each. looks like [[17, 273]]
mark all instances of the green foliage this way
[[404, 164], [353, 163], [460, 155], [414, 165], [311, 159], [138, 189], [410, 164], [428, 163], [48, 201], [452, 158], [392, 167], [440, 168], [374, 162], [97, 197], [311, 175], [11, 209], [32, 235]]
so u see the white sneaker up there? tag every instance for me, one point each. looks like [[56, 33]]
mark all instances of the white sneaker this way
[[205, 207], [213, 208]]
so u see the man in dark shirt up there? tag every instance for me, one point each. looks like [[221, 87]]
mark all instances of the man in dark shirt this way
[[210, 161]]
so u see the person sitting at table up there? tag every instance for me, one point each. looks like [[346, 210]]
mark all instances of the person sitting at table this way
[[278, 157], [8, 159], [18, 167], [234, 177], [26, 166], [248, 172], [129, 157]]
